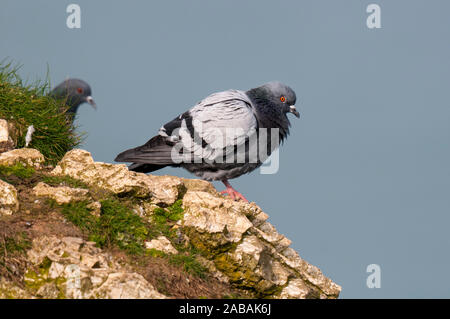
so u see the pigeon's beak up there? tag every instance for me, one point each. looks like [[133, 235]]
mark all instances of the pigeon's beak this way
[[90, 100], [294, 111]]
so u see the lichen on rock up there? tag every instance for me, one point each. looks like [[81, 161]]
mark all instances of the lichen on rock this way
[[9, 203], [71, 267], [162, 244], [249, 251], [26, 156], [117, 179], [61, 194], [10, 290], [214, 215]]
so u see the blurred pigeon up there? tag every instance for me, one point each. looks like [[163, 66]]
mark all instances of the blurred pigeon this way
[[75, 92], [202, 134]]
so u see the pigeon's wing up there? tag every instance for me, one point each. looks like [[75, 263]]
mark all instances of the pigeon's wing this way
[[156, 151], [222, 120], [217, 125]]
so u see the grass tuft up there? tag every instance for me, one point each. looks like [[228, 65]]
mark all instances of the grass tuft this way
[[117, 225], [13, 248], [164, 218], [18, 170], [64, 181], [122, 227], [20, 243], [80, 215], [189, 264], [156, 253], [26, 105]]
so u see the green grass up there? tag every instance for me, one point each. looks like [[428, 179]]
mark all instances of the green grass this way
[[19, 170], [26, 105], [232, 296], [122, 227], [117, 225], [171, 213], [156, 253], [163, 217], [13, 248], [80, 215], [9, 173], [189, 264], [64, 180], [20, 243]]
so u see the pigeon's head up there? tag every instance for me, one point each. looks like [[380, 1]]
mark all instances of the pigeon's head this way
[[275, 97], [75, 92]]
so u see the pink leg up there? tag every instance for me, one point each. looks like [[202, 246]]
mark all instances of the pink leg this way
[[234, 194]]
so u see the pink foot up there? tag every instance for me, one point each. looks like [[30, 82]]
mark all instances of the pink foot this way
[[230, 191]]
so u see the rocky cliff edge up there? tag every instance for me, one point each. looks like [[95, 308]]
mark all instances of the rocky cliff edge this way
[[87, 229]]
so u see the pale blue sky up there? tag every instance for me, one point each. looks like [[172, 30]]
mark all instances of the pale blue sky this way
[[364, 176]]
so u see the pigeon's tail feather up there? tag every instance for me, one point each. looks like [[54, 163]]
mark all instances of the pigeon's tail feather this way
[[144, 168], [157, 151]]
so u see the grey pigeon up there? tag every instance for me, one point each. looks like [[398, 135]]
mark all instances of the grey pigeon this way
[[200, 134], [75, 92]]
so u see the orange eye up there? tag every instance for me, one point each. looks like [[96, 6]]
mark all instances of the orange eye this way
[[283, 99], [80, 90]]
